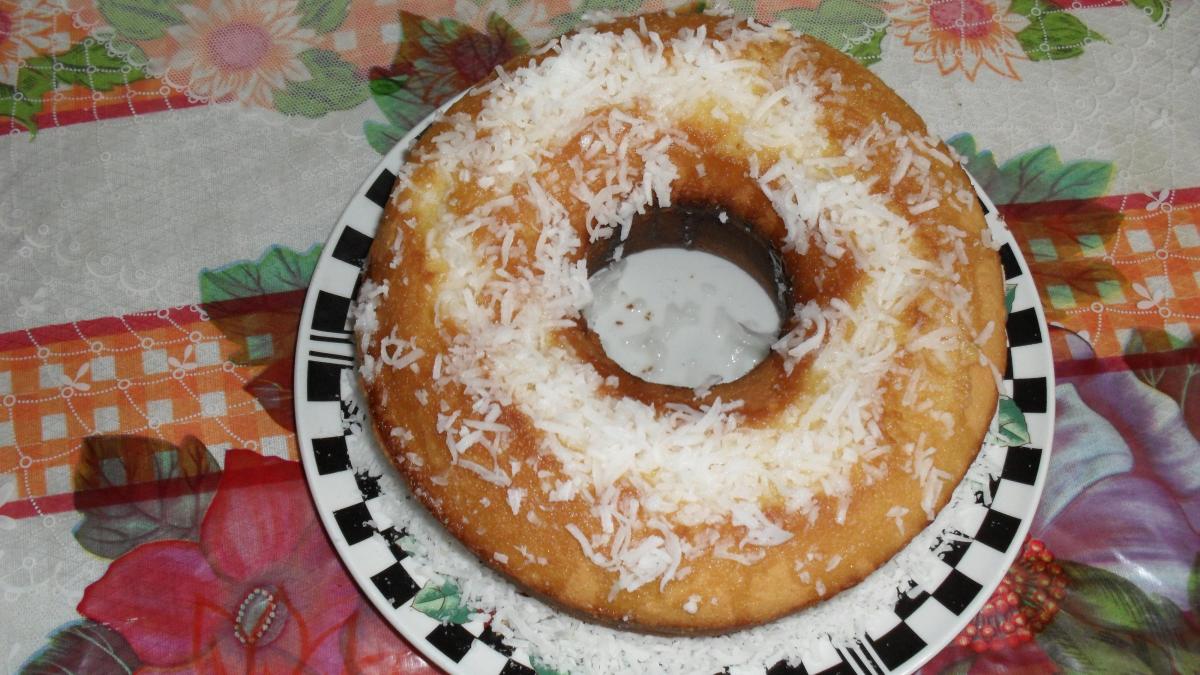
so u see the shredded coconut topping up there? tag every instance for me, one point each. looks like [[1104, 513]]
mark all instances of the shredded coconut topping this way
[[644, 470]]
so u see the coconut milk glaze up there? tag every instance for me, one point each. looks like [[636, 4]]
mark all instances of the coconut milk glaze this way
[[685, 318]]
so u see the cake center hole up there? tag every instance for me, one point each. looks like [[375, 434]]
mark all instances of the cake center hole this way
[[693, 298]]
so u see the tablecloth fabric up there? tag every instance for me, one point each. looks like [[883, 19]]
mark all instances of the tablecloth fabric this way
[[171, 169]]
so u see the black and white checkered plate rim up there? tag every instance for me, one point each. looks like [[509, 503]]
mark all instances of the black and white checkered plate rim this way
[[921, 622]]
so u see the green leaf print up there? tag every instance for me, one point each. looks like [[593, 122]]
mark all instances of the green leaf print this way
[[501, 30], [1079, 648], [278, 270], [1157, 10], [844, 24], [141, 19], [1076, 180], [123, 466], [870, 51], [742, 7], [1024, 7], [267, 335], [1053, 34], [1010, 294], [382, 137], [1013, 429], [980, 163], [1194, 586], [83, 647], [435, 61], [90, 65], [442, 602], [323, 15], [402, 107], [1108, 600], [22, 104], [334, 86], [86, 64], [1114, 610], [1038, 175]]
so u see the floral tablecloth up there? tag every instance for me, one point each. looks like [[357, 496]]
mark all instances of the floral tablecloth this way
[[171, 167]]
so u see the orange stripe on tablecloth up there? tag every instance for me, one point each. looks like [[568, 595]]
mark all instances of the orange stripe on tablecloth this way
[[150, 490], [286, 299], [1128, 201], [96, 328], [78, 104], [143, 321], [1120, 270], [162, 374], [1084, 367], [127, 107]]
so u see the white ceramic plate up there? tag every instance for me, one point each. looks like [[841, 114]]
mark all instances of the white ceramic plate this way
[[920, 617]]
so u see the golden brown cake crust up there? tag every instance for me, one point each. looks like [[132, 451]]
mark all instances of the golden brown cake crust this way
[[823, 556]]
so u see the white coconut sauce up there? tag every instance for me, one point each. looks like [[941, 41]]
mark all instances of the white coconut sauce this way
[[681, 317]]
